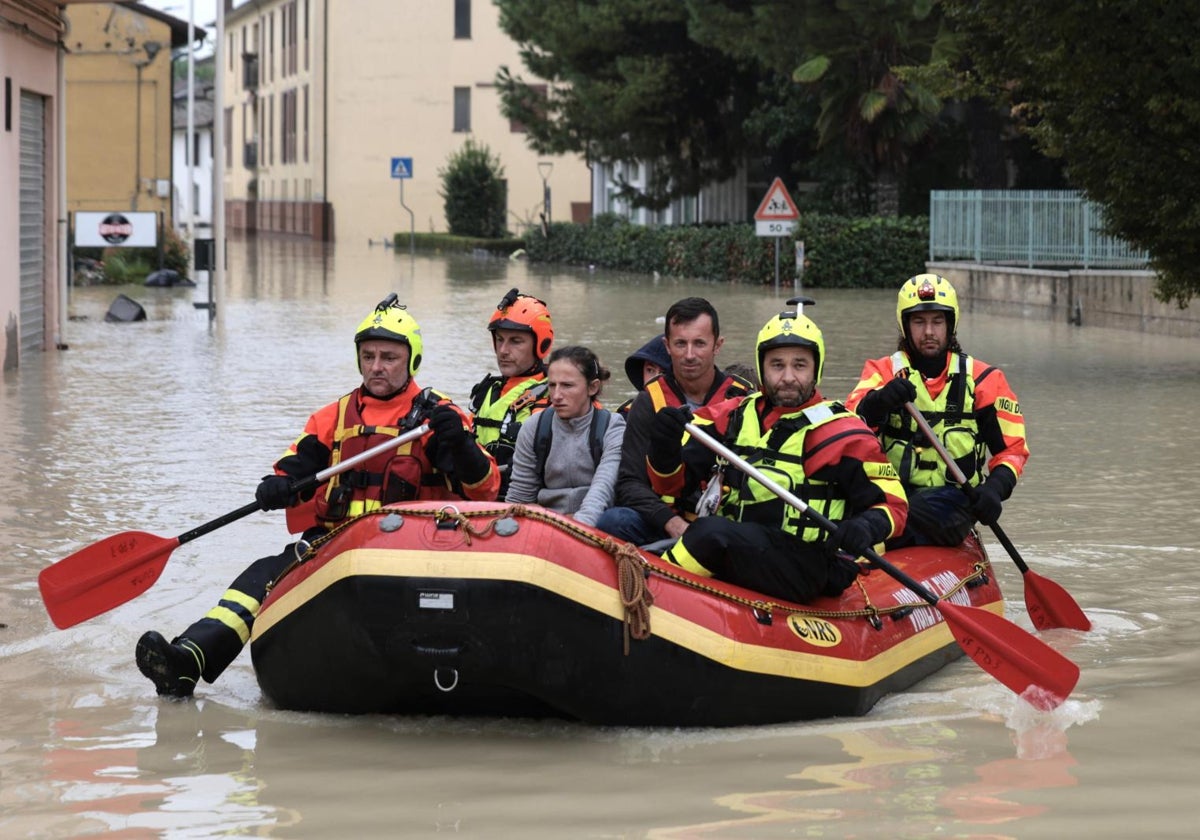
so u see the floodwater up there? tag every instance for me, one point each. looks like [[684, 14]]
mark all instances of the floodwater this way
[[166, 424]]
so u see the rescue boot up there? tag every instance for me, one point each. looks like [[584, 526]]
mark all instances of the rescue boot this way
[[173, 667]]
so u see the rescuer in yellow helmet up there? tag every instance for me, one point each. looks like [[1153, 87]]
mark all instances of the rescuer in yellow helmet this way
[[817, 448], [444, 463], [969, 405]]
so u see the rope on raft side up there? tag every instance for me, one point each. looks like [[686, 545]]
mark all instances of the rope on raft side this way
[[636, 596], [633, 569]]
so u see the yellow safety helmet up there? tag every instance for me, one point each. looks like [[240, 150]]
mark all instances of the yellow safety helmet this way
[[524, 313], [927, 292], [792, 328], [391, 322]]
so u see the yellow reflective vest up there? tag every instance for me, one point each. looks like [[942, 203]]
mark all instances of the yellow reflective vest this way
[[952, 418], [779, 453]]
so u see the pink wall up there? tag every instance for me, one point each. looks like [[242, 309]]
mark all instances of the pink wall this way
[[27, 63]]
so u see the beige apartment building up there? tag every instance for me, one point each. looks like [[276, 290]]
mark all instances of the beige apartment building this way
[[321, 95]]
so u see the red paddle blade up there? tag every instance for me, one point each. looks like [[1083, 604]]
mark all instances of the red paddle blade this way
[[1050, 606], [102, 576], [1014, 657]]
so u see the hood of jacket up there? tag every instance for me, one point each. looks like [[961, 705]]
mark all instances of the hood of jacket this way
[[654, 350]]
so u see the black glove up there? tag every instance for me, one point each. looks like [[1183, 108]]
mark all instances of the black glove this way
[[275, 492], [987, 502], [447, 426], [666, 438], [855, 536], [881, 402], [458, 448]]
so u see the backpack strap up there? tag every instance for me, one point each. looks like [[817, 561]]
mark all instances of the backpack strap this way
[[598, 428], [543, 437]]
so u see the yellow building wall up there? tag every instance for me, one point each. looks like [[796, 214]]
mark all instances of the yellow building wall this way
[[118, 138], [393, 66]]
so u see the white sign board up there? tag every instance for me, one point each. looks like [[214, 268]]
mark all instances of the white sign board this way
[[775, 228], [116, 229]]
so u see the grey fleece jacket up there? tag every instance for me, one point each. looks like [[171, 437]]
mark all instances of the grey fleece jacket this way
[[572, 482]]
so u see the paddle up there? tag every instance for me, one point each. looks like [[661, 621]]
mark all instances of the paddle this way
[[117, 569], [1015, 658], [1048, 604]]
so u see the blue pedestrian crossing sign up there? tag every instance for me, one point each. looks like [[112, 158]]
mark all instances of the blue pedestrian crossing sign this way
[[401, 167]]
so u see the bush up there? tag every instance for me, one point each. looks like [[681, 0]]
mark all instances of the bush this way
[[474, 192], [445, 243], [175, 252], [121, 266], [840, 251], [124, 266]]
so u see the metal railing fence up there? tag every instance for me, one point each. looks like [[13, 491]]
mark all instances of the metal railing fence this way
[[1024, 227]]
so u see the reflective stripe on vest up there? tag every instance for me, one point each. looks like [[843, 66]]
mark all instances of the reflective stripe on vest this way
[[779, 453], [952, 418], [663, 394], [397, 477], [498, 417]]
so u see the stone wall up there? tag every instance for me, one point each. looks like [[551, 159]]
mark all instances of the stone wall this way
[[1097, 298]]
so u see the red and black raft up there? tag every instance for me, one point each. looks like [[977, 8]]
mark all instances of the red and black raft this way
[[487, 609]]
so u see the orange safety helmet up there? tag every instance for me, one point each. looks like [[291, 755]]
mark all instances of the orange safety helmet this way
[[525, 313]]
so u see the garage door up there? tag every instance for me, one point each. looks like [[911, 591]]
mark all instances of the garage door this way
[[33, 222]]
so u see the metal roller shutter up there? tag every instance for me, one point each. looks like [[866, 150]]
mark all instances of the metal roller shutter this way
[[33, 222]]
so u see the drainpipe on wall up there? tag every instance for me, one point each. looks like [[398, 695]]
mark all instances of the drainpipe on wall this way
[[60, 154], [325, 204], [216, 277]]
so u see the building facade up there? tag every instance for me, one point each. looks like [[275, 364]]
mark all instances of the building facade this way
[[31, 242], [193, 198], [321, 95], [118, 71], [726, 201]]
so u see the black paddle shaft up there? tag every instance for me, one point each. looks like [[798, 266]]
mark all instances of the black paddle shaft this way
[[963, 484], [303, 484], [820, 519]]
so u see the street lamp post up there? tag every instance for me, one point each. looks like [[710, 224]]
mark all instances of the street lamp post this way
[[545, 167]]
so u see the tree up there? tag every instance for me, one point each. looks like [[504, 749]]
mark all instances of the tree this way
[[812, 89], [474, 192], [844, 53], [1114, 89], [627, 83]]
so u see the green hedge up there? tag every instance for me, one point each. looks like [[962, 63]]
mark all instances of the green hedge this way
[[841, 252], [442, 243]]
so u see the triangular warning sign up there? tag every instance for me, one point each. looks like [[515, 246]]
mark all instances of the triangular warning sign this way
[[776, 205]]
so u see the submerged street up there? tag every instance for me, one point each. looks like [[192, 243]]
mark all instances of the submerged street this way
[[165, 424]]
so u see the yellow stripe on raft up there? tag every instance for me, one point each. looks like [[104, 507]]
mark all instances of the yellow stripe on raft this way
[[520, 568]]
